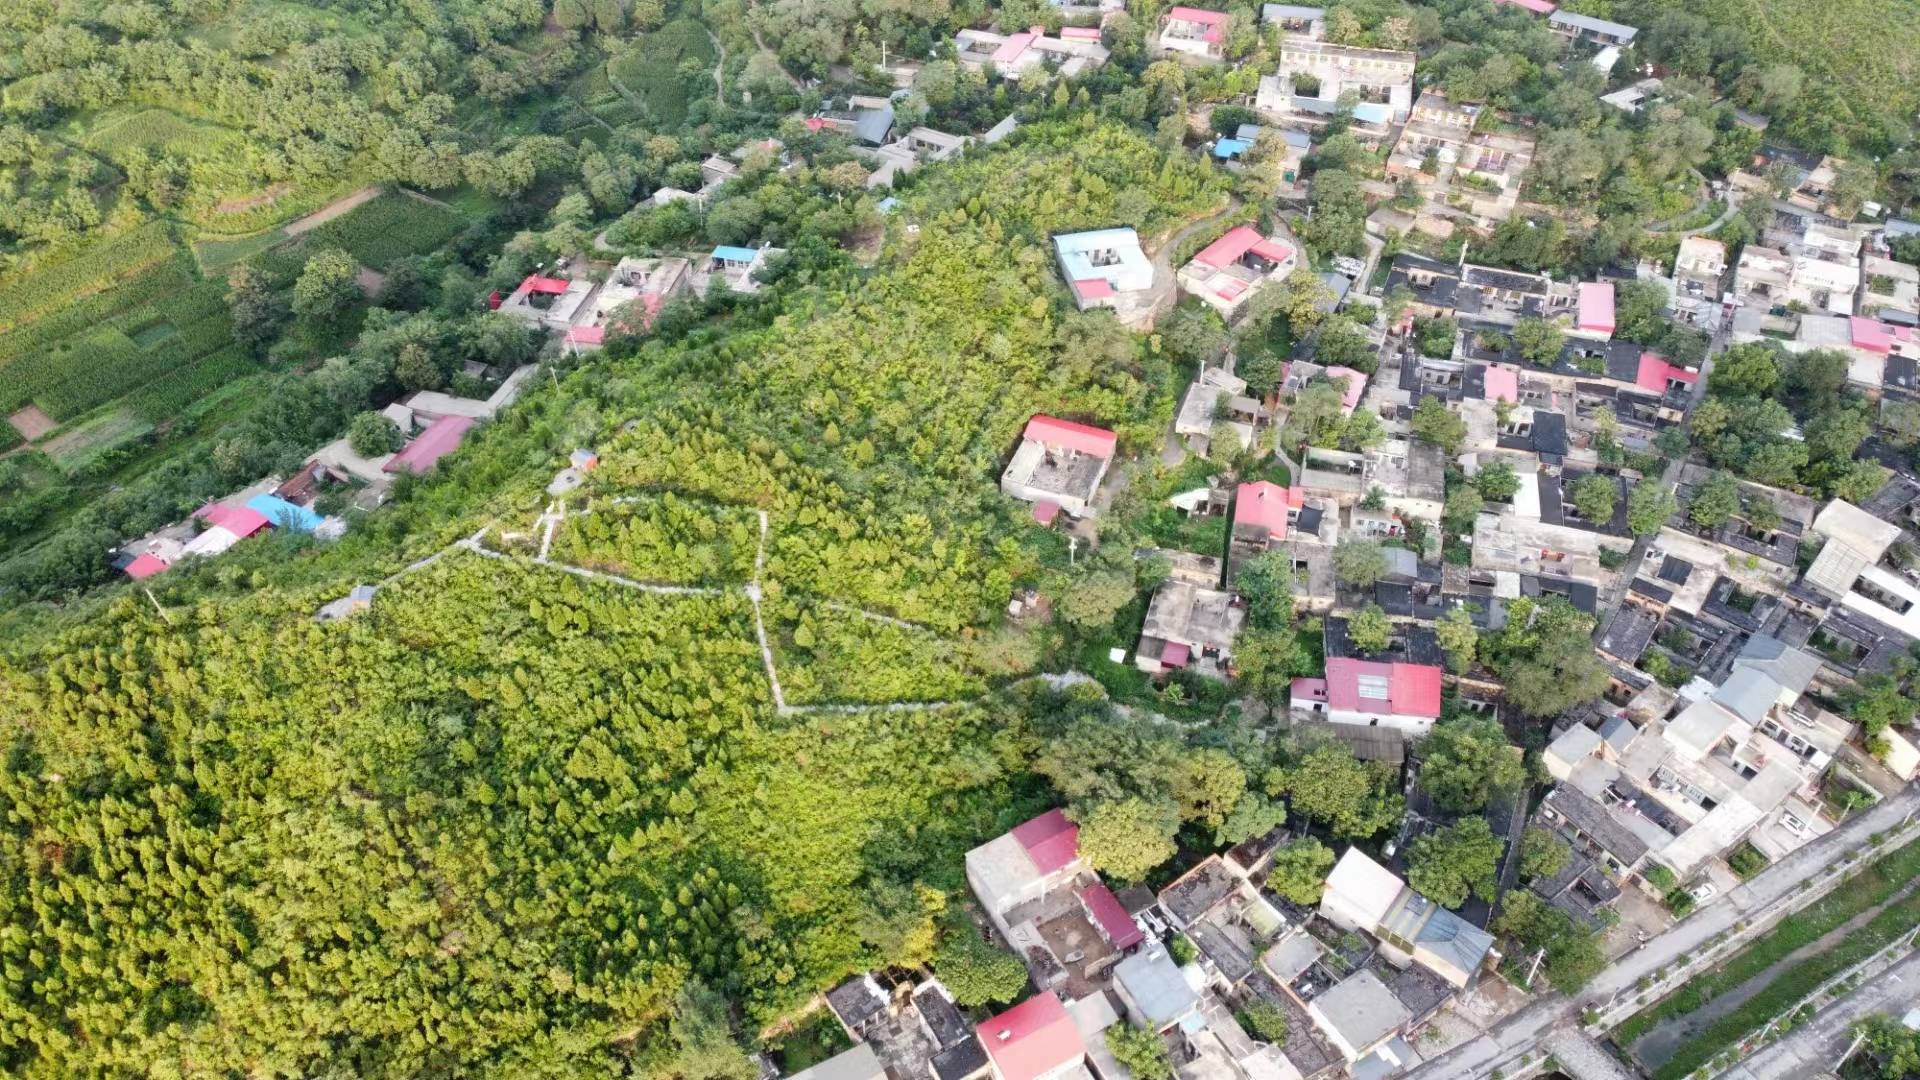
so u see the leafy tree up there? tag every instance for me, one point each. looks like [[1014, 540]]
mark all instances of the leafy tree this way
[[1545, 657], [1140, 1051], [1749, 370], [1253, 815], [1359, 562], [1447, 864], [1649, 505], [1341, 343], [1092, 601], [976, 972], [1193, 333], [1361, 431], [1593, 495], [1264, 1020], [1571, 953], [326, 287], [1328, 784], [705, 1047], [1715, 501], [1439, 425], [1893, 1047], [1542, 854], [1462, 509], [1458, 638], [1128, 837], [1369, 630], [260, 311], [1538, 340], [1299, 871], [371, 435], [1466, 759], [1878, 703], [1266, 584], [1267, 661], [1496, 481]]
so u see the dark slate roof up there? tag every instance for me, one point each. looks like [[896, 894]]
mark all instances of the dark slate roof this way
[[856, 1001], [1648, 588], [1507, 280], [1594, 821], [1629, 631], [1550, 435], [1393, 599], [961, 1060], [1675, 569], [942, 1017], [1309, 520]]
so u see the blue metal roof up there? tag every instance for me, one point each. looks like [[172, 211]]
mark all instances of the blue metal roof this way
[[283, 513], [725, 253], [1226, 148]]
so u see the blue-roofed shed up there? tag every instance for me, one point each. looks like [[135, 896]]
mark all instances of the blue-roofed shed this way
[[728, 254], [284, 514], [1225, 148]]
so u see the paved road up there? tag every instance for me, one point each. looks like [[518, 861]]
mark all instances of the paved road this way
[[1812, 1049], [1584, 1059], [1531, 1026], [1716, 345]]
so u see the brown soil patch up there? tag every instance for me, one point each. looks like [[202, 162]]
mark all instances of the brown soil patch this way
[[252, 202], [372, 282], [332, 210], [31, 423]]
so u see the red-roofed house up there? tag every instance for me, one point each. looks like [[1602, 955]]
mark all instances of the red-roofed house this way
[[1502, 384], [442, 437], [1355, 383], [1025, 864], [1109, 916], [1061, 462], [1405, 697], [1195, 32], [1035, 1040], [1660, 376], [1013, 55], [1538, 7], [1593, 311], [145, 566], [547, 302], [1231, 270], [1263, 512], [241, 521]]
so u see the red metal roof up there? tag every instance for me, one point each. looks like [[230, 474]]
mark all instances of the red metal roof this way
[[586, 335], [547, 285], [1538, 7], [1110, 916], [241, 521], [1355, 382], [1262, 503], [1032, 1039], [1093, 288], [1080, 33], [1502, 384], [1313, 689], [441, 438], [1655, 370], [1085, 438], [1236, 243], [1045, 511], [1010, 49], [1175, 654], [145, 566], [1412, 689], [1595, 307], [1873, 335], [1050, 840]]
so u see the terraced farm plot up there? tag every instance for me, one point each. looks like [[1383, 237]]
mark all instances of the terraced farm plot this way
[[652, 71], [386, 229], [668, 539], [836, 656], [157, 131]]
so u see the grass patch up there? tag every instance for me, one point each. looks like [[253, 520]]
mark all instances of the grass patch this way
[[1866, 889], [215, 256], [74, 450], [157, 131]]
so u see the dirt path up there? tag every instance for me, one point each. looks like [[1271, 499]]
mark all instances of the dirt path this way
[[793, 79], [719, 69], [333, 210], [428, 199]]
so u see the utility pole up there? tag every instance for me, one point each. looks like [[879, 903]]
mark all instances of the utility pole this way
[[156, 606]]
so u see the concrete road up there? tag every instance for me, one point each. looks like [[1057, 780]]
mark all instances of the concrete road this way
[[1682, 944], [1814, 1048]]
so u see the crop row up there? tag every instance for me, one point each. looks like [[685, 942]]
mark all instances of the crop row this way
[[156, 282], [169, 395], [100, 366], [42, 291], [387, 229]]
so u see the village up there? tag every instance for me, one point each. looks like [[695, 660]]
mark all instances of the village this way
[[1515, 452]]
